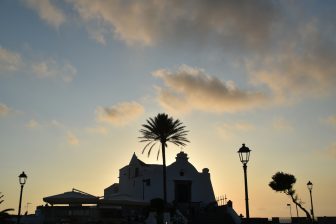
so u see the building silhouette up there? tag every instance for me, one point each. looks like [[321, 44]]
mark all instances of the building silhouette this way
[[140, 181]]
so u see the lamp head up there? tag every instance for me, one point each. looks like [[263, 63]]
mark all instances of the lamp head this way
[[244, 154], [310, 185], [22, 178]]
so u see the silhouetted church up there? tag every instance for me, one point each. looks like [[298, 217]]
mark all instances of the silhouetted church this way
[[139, 181], [191, 191]]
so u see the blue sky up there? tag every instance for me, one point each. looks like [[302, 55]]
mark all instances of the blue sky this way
[[78, 78]]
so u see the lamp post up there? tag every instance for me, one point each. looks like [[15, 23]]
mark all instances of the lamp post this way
[[290, 210], [310, 188], [27, 206], [22, 180], [297, 212], [244, 156]]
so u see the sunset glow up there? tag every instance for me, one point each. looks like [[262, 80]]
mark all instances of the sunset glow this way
[[78, 78]]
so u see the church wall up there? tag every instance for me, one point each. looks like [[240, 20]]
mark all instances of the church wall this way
[[132, 176]]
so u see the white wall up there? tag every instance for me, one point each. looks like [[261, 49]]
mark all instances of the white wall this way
[[132, 185]]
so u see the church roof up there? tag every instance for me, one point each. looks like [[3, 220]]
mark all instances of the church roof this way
[[72, 197], [135, 159]]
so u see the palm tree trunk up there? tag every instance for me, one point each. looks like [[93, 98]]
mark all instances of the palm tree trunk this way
[[164, 173], [300, 206]]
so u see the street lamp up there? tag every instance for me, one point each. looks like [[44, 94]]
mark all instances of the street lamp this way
[[244, 156], [27, 206], [297, 211], [310, 188], [290, 210], [22, 180]]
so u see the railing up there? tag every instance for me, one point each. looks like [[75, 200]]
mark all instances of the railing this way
[[221, 200]]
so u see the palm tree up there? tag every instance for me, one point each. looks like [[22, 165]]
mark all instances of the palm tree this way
[[163, 129], [4, 215]]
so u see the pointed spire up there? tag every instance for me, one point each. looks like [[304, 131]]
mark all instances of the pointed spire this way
[[134, 158]]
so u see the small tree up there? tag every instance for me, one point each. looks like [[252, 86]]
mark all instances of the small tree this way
[[283, 182]]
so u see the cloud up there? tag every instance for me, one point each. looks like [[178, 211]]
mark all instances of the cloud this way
[[287, 48], [50, 68], [32, 124], [72, 138], [98, 130], [190, 89], [292, 57], [281, 123], [4, 110], [330, 151], [57, 124], [120, 114], [227, 130], [98, 34], [47, 11], [331, 120], [9, 61], [151, 22], [302, 67]]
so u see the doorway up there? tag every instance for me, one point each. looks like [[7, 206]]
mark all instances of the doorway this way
[[182, 191]]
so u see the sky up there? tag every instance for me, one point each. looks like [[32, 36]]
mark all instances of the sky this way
[[78, 78]]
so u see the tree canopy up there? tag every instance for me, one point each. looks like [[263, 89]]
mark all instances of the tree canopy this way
[[163, 129], [284, 182]]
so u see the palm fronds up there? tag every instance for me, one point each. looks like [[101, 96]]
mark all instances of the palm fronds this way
[[163, 129]]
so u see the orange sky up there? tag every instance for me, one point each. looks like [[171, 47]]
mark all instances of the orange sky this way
[[78, 78]]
